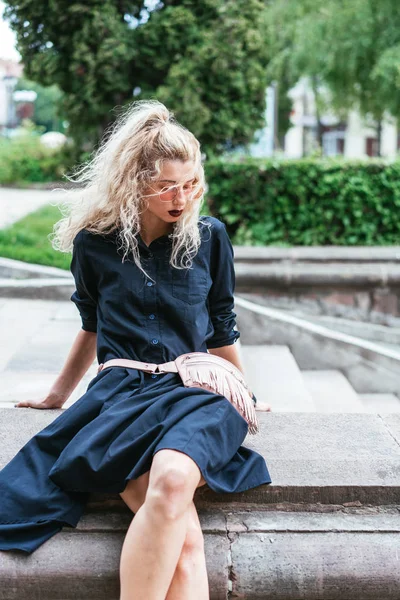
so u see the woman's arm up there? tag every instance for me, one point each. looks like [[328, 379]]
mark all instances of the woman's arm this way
[[79, 359], [221, 305], [230, 353]]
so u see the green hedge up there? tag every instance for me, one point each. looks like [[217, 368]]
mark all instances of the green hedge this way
[[302, 202], [24, 159], [307, 201]]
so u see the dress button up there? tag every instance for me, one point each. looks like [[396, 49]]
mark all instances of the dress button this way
[[154, 375], [154, 341], [152, 316], [149, 283]]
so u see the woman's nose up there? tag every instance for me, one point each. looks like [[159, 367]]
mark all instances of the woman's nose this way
[[179, 193]]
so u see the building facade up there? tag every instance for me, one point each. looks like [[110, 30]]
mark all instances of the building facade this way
[[354, 137]]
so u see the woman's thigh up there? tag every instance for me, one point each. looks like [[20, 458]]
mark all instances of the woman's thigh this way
[[135, 491]]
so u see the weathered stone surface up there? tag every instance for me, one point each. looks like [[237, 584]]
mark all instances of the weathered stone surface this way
[[350, 553], [392, 422], [342, 520], [315, 566]]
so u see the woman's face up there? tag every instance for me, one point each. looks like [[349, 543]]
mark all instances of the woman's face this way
[[171, 191]]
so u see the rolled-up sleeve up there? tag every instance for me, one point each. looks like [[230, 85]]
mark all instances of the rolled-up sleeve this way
[[85, 295], [220, 298]]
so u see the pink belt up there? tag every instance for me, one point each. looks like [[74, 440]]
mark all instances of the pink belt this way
[[204, 370], [168, 367]]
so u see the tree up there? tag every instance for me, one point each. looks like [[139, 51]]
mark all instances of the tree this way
[[351, 48], [205, 59]]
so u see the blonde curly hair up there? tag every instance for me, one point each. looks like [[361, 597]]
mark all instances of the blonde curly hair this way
[[129, 158]]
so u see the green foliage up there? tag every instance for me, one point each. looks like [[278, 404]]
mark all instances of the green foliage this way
[[24, 159], [306, 202], [205, 60], [27, 239]]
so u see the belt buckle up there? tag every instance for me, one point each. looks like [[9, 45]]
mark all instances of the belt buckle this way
[[150, 369], [167, 367]]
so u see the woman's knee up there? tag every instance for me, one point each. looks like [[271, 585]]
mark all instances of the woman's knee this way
[[135, 491], [172, 483]]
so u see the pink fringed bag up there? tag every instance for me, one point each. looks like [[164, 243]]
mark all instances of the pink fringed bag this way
[[201, 369]]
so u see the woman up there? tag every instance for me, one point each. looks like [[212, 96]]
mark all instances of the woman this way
[[142, 435]]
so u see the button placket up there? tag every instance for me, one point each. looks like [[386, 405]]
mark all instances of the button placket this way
[[151, 292]]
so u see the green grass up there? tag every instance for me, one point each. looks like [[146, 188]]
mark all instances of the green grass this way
[[27, 239]]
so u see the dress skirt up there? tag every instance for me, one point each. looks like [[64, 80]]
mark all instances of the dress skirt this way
[[110, 436]]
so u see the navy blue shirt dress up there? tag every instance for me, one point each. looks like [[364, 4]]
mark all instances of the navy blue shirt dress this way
[[110, 434]]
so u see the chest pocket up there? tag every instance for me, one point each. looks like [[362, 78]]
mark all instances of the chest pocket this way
[[190, 285]]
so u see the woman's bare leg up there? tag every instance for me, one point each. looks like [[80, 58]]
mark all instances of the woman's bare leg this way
[[157, 535], [190, 576], [190, 579]]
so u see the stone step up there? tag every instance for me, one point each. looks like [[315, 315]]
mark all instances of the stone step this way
[[331, 392], [275, 378], [380, 403], [369, 367], [252, 555], [312, 457], [332, 508]]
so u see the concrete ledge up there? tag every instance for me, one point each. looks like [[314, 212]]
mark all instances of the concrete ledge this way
[[287, 275], [37, 288], [327, 528], [318, 254], [329, 458], [18, 269]]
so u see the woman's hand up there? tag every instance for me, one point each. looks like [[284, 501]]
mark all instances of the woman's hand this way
[[50, 401], [261, 406], [79, 359]]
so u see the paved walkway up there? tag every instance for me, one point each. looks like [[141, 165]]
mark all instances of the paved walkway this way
[[36, 338], [16, 203], [36, 334]]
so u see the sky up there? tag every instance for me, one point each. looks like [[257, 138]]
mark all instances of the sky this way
[[7, 39]]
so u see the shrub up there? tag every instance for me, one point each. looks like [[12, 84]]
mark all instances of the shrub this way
[[24, 159], [307, 201]]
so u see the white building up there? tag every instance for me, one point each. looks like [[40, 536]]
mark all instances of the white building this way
[[353, 138], [10, 72]]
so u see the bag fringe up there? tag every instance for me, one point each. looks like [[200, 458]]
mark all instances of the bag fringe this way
[[223, 383]]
